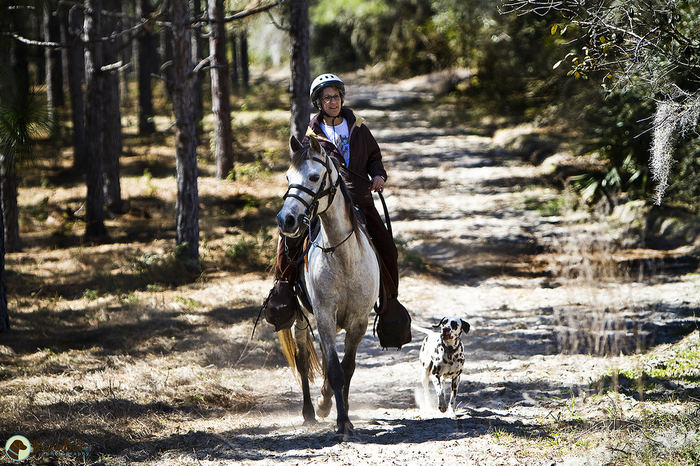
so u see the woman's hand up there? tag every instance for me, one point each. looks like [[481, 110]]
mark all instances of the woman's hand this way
[[378, 184]]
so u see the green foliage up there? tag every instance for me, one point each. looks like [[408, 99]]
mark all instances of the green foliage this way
[[644, 53], [515, 67], [399, 33], [615, 129], [23, 117], [252, 252], [684, 183]]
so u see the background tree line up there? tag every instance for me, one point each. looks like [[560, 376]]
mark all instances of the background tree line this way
[[600, 71]]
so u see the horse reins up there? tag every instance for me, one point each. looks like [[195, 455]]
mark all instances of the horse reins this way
[[381, 197]]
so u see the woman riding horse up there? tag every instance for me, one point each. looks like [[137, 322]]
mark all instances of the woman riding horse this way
[[346, 137]]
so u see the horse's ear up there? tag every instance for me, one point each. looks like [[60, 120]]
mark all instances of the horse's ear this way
[[315, 146], [294, 145]]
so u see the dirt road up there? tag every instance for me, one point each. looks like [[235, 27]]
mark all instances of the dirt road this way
[[549, 313]]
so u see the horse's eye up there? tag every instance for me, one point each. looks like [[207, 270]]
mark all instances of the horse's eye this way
[[314, 178]]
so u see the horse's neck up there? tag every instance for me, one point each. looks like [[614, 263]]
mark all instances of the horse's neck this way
[[335, 221]]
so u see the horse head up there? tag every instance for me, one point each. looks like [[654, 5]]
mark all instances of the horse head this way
[[310, 186]]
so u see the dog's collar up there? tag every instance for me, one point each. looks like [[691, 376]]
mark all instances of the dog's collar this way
[[449, 349]]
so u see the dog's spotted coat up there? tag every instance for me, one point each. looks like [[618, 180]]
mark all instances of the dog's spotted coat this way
[[442, 357]]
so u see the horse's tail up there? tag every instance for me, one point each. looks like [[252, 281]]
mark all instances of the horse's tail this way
[[289, 348]]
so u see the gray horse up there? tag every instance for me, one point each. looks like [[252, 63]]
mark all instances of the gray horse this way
[[340, 274]]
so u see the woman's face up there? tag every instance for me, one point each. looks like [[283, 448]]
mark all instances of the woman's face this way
[[330, 101]]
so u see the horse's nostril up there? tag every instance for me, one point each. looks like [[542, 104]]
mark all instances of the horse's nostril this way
[[289, 221]]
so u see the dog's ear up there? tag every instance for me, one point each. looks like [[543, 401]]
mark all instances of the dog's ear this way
[[465, 327]]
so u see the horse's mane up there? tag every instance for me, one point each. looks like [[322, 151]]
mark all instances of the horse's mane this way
[[303, 154]]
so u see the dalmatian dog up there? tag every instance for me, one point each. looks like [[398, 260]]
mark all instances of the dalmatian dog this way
[[442, 357]]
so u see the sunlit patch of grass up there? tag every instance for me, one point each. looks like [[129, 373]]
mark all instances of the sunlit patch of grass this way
[[548, 208], [407, 257], [251, 172], [255, 252], [684, 365]]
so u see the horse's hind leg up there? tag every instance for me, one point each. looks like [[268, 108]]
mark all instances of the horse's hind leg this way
[[352, 342], [303, 360]]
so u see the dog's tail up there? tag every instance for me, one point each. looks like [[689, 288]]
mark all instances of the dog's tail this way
[[421, 329]]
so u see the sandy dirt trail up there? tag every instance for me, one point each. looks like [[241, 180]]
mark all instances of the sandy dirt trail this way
[[458, 201]]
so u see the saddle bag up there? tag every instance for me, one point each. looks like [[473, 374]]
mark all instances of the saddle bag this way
[[393, 322], [281, 306], [394, 325]]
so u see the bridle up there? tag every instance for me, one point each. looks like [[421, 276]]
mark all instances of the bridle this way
[[311, 211]]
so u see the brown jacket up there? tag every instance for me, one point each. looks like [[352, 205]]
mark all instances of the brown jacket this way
[[365, 156]]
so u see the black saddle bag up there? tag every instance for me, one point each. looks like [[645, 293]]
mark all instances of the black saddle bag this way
[[394, 325], [393, 322], [281, 306]]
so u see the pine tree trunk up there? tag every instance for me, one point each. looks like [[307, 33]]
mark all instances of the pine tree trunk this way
[[299, 63], [166, 55], [234, 63], [245, 70], [113, 134], [125, 54], [181, 89], [5, 60], [8, 169], [4, 312], [50, 70], [10, 209], [94, 121], [147, 61], [71, 25], [197, 48], [220, 99]]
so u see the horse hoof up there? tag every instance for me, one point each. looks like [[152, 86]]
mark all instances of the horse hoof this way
[[324, 408], [346, 431], [310, 422]]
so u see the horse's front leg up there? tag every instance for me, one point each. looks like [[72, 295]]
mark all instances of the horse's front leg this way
[[334, 380]]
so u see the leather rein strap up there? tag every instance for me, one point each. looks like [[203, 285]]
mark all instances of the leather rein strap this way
[[381, 197]]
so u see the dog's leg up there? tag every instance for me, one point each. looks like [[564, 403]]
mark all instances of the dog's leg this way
[[453, 394], [437, 383], [426, 381]]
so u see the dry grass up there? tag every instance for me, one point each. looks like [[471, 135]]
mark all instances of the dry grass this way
[[113, 345]]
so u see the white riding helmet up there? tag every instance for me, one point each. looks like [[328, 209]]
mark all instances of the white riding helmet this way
[[323, 81]]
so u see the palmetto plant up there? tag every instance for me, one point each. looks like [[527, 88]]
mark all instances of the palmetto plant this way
[[23, 117]]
